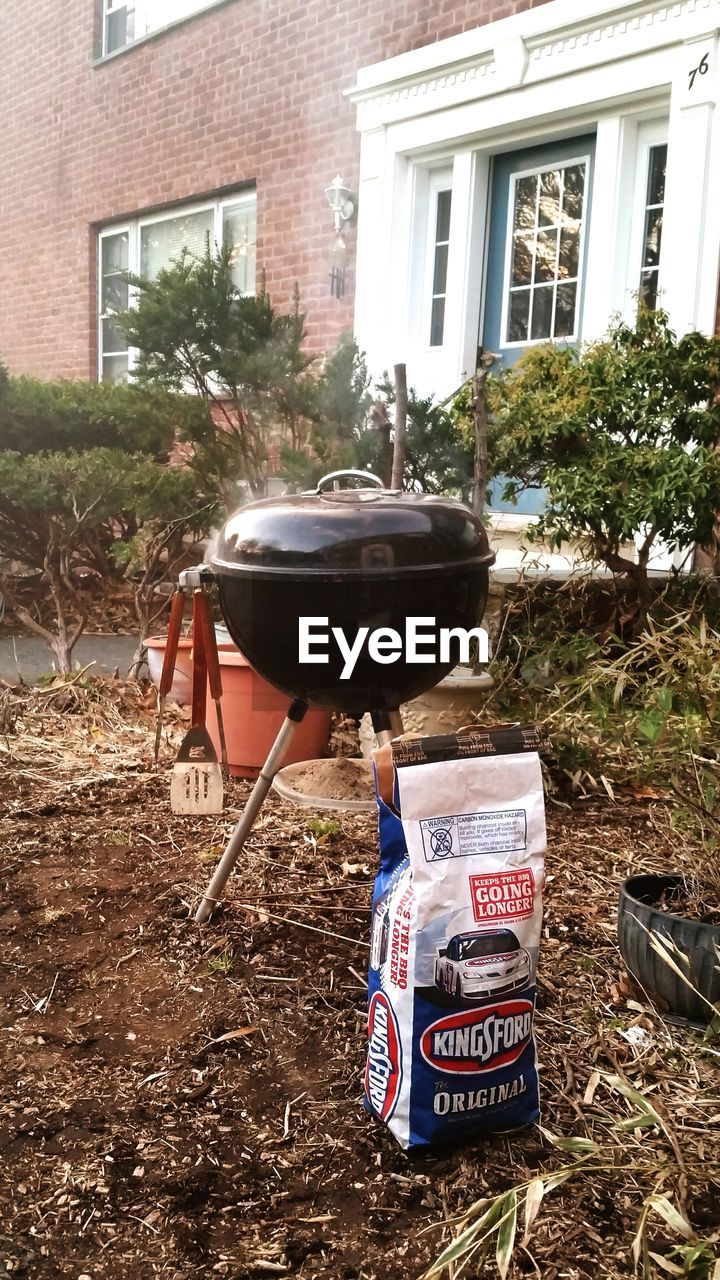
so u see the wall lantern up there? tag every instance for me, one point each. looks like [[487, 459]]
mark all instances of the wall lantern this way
[[343, 208], [338, 197]]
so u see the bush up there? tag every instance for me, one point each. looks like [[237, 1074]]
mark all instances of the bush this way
[[63, 514], [245, 364], [644, 710], [622, 435], [40, 416], [438, 459]]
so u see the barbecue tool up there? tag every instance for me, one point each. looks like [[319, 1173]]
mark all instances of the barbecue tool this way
[[177, 609], [213, 670], [197, 783]]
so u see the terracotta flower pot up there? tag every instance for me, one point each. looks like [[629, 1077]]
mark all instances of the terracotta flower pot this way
[[253, 711], [180, 689], [448, 705], [638, 916]]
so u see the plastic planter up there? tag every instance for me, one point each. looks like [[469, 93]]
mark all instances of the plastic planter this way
[[638, 916], [253, 712]]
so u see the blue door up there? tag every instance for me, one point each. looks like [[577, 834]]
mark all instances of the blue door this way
[[539, 212]]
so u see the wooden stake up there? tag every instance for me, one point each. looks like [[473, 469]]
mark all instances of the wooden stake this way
[[380, 420], [480, 419], [401, 404]]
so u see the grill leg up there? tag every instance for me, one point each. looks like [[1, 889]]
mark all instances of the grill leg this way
[[224, 868], [387, 725]]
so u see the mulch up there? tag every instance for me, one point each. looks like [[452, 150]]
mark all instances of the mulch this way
[[183, 1102]]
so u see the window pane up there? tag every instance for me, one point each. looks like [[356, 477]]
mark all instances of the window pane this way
[[115, 369], [437, 322], [114, 249], [546, 255], [440, 267], [525, 193], [565, 300], [569, 253], [119, 28], [521, 272], [573, 193], [113, 338], [542, 312], [113, 263], [518, 316], [240, 233], [442, 230], [648, 289], [656, 175], [549, 204], [161, 243], [440, 273], [653, 235]]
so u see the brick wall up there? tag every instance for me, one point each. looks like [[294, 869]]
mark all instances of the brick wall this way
[[251, 90]]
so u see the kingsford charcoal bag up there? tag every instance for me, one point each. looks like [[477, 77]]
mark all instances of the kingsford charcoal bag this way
[[456, 919]]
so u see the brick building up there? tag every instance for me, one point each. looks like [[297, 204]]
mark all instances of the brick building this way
[[98, 128], [520, 169]]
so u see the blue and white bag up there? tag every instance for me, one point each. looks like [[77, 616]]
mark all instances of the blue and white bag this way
[[457, 912]]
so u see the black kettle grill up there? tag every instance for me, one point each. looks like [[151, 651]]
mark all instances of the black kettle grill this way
[[362, 557], [359, 557]]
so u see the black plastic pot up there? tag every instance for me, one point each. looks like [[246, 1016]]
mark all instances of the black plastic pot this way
[[638, 913]]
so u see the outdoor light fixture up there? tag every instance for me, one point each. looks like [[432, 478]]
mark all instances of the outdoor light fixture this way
[[338, 197]]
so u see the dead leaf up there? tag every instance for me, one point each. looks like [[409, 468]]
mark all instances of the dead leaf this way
[[232, 1035]]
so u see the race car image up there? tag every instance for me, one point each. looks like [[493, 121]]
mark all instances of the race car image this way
[[473, 966], [382, 917], [380, 933]]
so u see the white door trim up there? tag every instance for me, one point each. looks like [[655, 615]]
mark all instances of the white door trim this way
[[532, 78]]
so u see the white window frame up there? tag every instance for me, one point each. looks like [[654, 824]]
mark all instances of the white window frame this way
[[108, 9], [651, 133], [149, 19], [543, 74], [440, 180], [134, 228], [515, 177]]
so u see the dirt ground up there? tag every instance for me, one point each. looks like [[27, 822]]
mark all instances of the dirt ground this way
[[185, 1102]]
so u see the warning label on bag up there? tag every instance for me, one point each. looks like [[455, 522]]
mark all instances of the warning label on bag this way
[[467, 835], [503, 895]]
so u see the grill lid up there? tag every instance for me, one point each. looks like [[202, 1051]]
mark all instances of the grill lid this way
[[368, 531]]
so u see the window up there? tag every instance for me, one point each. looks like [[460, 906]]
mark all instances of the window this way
[[147, 245], [128, 20], [652, 228], [545, 241], [440, 266]]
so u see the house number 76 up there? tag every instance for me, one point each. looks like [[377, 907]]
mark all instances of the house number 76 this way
[[699, 70]]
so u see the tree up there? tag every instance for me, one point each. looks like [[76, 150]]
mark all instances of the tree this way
[[327, 439], [171, 518], [438, 459], [56, 509], [243, 361], [621, 435]]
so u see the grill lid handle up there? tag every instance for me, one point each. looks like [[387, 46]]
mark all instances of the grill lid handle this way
[[367, 478]]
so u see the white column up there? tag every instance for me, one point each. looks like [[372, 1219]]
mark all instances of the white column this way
[[601, 246], [370, 258], [690, 254]]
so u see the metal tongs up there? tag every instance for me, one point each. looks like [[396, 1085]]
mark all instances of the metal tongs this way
[[208, 644]]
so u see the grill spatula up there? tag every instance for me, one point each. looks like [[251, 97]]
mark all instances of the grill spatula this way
[[197, 785]]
